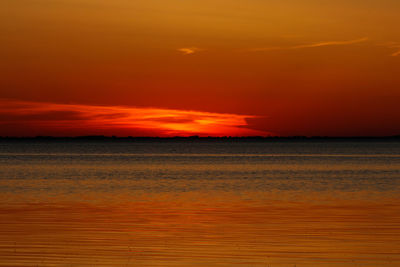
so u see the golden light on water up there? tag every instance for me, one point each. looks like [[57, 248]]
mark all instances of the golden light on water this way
[[199, 204], [198, 233]]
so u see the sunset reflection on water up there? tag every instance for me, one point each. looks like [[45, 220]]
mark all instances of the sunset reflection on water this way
[[77, 210]]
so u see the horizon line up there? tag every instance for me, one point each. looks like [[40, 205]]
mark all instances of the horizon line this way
[[113, 137]]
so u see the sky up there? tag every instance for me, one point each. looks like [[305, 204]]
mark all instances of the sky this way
[[208, 68]]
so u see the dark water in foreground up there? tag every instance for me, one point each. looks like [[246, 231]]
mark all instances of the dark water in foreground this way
[[200, 204]]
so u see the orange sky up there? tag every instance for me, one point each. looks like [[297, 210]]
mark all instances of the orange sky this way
[[216, 67]]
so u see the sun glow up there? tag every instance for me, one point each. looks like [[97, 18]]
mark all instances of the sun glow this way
[[78, 119]]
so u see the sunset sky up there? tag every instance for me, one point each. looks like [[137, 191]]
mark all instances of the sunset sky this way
[[209, 67]]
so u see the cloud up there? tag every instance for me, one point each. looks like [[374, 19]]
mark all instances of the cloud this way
[[395, 46], [312, 45], [77, 119], [392, 45], [332, 43], [189, 50], [397, 53]]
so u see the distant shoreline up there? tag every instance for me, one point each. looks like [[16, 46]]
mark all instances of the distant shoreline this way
[[200, 139]]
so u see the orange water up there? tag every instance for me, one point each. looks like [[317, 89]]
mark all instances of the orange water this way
[[77, 205]]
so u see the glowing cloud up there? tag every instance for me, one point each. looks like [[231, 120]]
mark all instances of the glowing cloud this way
[[189, 50], [68, 119], [392, 45], [332, 43], [312, 45], [395, 54], [396, 46]]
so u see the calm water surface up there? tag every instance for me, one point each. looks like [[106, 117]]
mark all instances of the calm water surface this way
[[200, 204]]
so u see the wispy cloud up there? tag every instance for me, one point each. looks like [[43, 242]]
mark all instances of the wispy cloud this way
[[189, 50], [397, 53], [332, 43], [395, 46], [312, 45], [392, 45], [69, 119]]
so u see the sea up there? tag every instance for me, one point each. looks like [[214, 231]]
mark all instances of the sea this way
[[292, 203]]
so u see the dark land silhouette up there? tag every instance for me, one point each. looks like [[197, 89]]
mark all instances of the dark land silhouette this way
[[97, 138]]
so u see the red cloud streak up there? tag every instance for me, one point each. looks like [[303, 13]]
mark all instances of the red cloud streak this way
[[19, 118]]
